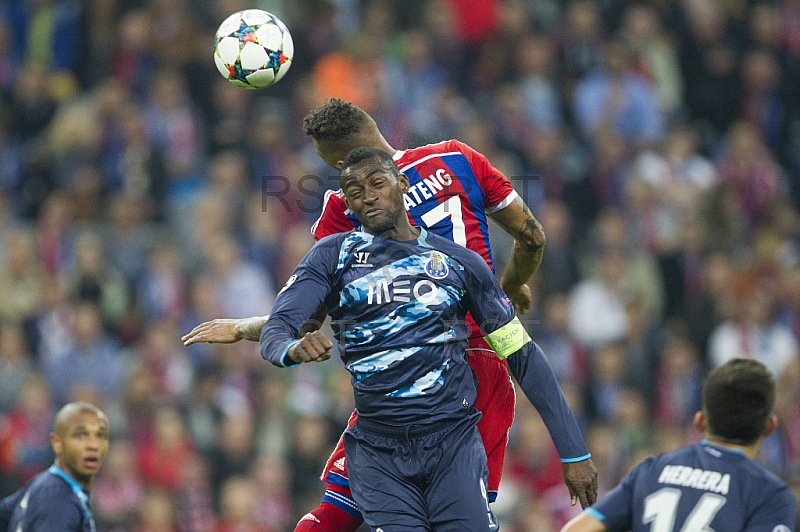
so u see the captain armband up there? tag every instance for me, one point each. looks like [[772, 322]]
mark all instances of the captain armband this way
[[508, 339]]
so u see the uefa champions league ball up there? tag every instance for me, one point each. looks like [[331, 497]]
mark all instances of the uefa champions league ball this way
[[253, 49]]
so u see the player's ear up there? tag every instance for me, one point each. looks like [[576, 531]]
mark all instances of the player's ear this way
[[55, 443], [339, 163], [772, 423], [404, 184], [700, 421]]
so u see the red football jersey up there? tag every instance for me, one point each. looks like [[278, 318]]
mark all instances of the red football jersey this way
[[453, 188]]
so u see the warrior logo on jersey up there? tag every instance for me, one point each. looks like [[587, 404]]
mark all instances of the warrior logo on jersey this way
[[362, 259], [436, 267]]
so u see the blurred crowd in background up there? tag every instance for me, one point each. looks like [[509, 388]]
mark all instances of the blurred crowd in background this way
[[658, 142]]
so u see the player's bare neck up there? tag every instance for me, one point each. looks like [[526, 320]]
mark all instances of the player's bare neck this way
[[402, 233], [382, 144]]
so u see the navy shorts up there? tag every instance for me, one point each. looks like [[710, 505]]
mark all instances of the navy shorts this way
[[423, 477]]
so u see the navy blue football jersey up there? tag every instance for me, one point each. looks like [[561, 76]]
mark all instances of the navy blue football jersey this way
[[699, 488], [48, 502], [397, 310]]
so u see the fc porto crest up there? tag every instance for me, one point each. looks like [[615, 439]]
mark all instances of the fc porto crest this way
[[436, 266]]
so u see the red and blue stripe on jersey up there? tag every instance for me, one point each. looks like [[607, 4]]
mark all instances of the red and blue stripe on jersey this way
[[453, 188]]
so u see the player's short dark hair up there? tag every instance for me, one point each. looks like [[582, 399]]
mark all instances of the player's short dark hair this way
[[360, 154], [737, 399], [334, 121]]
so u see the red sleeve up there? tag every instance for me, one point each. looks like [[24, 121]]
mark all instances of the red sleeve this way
[[497, 189], [333, 218]]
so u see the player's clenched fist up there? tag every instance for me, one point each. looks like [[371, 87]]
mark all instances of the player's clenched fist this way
[[313, 347]]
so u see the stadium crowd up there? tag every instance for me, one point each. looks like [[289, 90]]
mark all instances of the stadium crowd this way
[[657, 141]]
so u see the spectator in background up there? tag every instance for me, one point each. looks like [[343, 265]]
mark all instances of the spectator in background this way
[[195, 501], [238, 507], [678, 382], [25, 431], [607, 382], [535, 62], [750, 177], [162, 285], [118, 490], [93, 279], [567, 356], [580, 41], [172, 125], [273, 501], [20, 278], [654, 56], [597, 305], [53, 233], [94, 358], [16, 364], [235, 451], [617, 99], [762, 101], [754, 333], [163, 457], [156, 513], [244, 289], [129, 236]]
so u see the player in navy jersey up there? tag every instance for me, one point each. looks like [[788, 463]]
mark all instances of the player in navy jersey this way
[[715, 485], [398, 296], [453, 191], [58, 499]]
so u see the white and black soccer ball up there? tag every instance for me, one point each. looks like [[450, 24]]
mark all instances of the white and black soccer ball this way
[[253, 49]]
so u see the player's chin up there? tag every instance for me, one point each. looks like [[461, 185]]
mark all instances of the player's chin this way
[[377, 227]]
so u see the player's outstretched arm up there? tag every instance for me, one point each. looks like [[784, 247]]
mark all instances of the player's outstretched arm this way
[[526, 255], [226, 331], [584, 523], [539, 384]]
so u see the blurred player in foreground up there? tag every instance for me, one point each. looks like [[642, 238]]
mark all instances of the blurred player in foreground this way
[[58, 499], [453, 189], [398, 297], [713, 485]]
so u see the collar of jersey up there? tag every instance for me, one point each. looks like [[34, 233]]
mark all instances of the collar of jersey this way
[[422, 239], [722, 448]]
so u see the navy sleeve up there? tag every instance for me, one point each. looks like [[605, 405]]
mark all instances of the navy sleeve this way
[[615, 510], [49, 511], [535, 376], [777, 509], [7, 506], [304, 292], [484, 299]]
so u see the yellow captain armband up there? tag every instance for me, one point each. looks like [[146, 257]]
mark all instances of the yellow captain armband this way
[[508, 339]]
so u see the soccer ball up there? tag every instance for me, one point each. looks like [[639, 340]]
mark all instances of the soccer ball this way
[[253, 49]]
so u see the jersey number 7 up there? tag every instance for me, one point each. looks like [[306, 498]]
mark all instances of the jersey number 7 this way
[[452, 208]]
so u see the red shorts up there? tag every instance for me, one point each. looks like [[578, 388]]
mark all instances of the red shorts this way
[[495, 399]]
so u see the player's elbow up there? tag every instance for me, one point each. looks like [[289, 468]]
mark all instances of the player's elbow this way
[[533, 240]]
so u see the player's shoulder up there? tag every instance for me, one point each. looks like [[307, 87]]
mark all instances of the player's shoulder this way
[[48, 484], [412, 156], [338, 240], [50, 494]]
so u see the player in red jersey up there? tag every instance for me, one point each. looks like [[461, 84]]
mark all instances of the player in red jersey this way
[[453, 190]]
